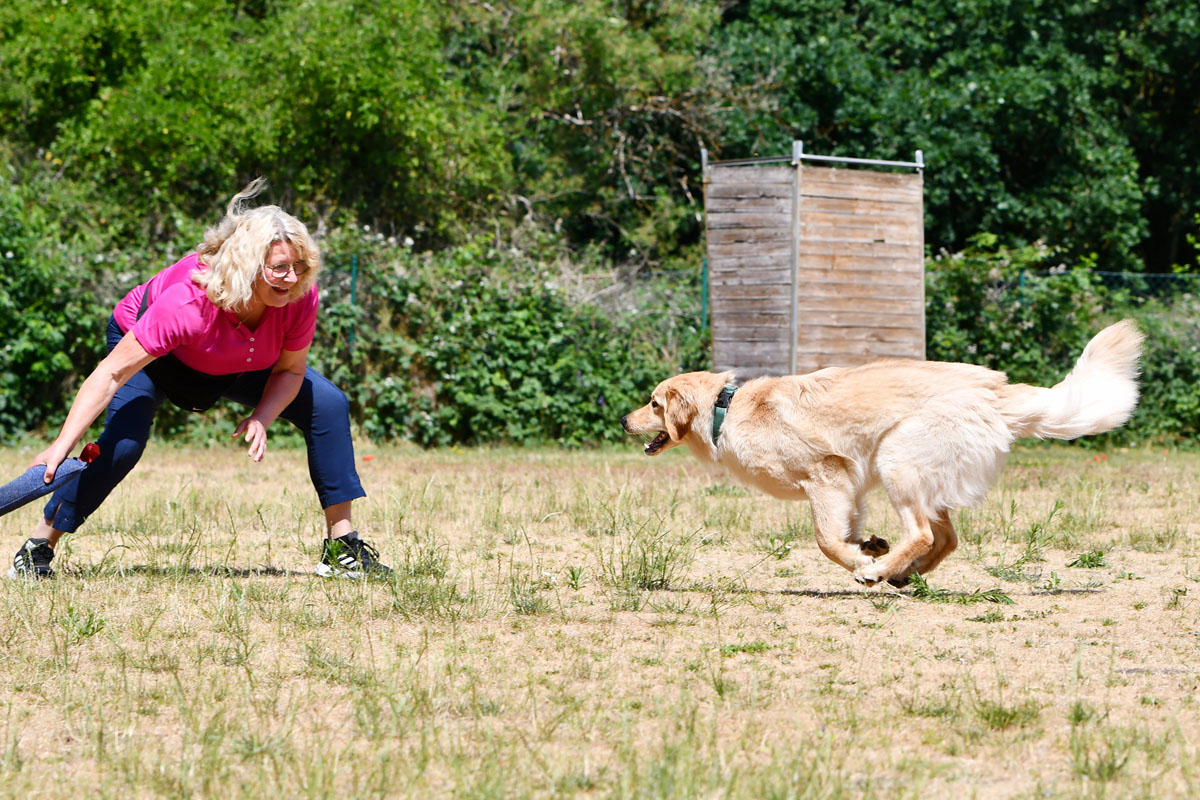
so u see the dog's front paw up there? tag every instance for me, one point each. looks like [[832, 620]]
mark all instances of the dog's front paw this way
[[868, 575]]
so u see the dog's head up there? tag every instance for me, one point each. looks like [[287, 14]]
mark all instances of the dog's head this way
[[673, 409]]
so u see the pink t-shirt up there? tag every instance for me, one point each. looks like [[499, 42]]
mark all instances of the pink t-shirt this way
[[181, 320]]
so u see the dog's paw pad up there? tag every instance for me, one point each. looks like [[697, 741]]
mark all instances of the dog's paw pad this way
[[874, 546]]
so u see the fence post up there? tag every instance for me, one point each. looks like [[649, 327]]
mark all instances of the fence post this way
[[353, 296]]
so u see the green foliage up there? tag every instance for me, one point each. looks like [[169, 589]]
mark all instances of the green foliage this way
[[921, 590], [126, 124], [172, 108], [476, 344], [1093, 559], [1170, 405], [1065, 122], [605, 107], [990, 305], [1000, 308], [1069, 123], [51, 298]]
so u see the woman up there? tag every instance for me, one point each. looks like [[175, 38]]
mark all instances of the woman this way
[[235, 320]]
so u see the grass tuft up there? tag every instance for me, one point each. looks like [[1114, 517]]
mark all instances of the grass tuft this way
[[921, 590]]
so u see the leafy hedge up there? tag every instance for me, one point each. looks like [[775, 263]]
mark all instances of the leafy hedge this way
[[1000, 308], [48, 303], [528, 342], [477, 344]]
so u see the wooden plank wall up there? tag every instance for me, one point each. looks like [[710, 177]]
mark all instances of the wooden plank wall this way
[[860, 267], [851, 239], [748, 220]]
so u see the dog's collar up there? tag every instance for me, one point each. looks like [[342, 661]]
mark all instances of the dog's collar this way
[[719, 409]]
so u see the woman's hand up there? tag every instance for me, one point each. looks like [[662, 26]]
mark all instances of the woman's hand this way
[[52, 456], [256, 436], [287, 377]]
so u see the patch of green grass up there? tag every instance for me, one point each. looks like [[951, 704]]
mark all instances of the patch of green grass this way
[[1093, 559], [1082, 712], [646, 554], [1155, 540], [998, 715], [725, 490], [1100, 756], [921, 590], [757, 646], [80, 624]]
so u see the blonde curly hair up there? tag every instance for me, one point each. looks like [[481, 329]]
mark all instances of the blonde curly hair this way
[[235, 250]]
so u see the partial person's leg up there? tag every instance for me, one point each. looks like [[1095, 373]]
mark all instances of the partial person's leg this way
[[337, 520], [126, 431], [322, 413]]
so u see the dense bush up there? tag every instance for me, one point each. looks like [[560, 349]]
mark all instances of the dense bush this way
[[1002, 309], [479, 344], [1070, 122], [169, 108], [51, 295]]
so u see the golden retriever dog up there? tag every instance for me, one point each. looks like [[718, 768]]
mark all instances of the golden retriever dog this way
[[932, 434]]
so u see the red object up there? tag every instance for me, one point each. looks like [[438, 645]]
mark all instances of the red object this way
[[368, 458], [91, 451]]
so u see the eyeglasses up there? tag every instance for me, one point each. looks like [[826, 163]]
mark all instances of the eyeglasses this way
[[281, 270]]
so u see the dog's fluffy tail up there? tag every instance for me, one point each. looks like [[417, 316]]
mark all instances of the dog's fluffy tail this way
[[1098, 395]]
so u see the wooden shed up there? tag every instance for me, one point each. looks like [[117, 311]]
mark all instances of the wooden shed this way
[[814, 266]]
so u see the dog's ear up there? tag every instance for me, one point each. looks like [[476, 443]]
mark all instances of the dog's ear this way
[[678, 413]]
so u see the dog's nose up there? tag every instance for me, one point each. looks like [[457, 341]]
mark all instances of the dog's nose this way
[[625, 422]]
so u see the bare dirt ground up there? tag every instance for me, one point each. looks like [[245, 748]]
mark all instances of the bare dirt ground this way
[[604, 624]]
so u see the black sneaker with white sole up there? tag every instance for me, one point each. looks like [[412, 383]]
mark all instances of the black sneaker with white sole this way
[[33, 560], [350, 557]]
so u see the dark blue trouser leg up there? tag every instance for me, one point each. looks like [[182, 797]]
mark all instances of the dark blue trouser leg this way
[[322, 413], [126, 431], [320, 410]]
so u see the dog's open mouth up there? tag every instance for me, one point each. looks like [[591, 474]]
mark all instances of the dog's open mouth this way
[[656, 443]]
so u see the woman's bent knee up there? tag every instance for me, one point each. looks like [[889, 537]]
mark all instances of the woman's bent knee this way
[[329, 401]]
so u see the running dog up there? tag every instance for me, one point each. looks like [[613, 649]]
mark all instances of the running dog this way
[[933, 434]]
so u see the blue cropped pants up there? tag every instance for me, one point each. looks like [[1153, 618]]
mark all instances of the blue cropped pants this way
[[321, 412]]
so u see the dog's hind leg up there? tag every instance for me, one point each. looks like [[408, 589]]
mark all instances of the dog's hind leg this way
[[945, 541], [904, 490]]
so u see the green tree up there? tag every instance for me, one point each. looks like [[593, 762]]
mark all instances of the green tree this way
[[344, 106], [605, 107], [1037, 118], [54, 296]]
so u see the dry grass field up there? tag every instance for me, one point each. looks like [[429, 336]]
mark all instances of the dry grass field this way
[[601, 624]]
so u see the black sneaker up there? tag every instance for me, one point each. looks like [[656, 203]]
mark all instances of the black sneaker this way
[[33, 560], [350, 557]]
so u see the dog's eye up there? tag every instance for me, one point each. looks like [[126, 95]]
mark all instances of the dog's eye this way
[[654, 404]]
